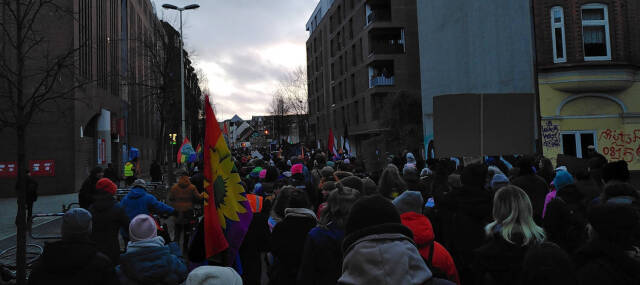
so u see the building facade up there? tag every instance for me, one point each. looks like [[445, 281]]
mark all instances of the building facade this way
[[362, 58], [107, 112], [588, 58]]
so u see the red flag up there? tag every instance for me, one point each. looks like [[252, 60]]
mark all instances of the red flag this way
[[226, 129], [332, 147]]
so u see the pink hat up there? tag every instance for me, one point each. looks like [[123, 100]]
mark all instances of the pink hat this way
[[296, 168], [142, 227], [263, 174]]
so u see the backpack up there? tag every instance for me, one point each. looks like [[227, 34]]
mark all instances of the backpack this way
[[437, 272]]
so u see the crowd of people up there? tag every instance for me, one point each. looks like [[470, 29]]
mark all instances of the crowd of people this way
[[329, 221]]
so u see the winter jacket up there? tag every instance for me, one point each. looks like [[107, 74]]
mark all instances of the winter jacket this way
[[108, 218], [424, 237], [287, 244], [322, 256], [565, 222], [255, 242], [87, 192], [151, 262], [599, 262], [536, 188], [138, 201], [73, 262], [182, 195], [498, 261], [384, 255]]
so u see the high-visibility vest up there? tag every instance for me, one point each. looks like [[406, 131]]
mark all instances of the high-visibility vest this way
[[256, 202], [128, 169]]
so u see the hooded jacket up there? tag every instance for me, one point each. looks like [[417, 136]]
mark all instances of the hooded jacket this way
[[182, 194], [108, 218], [151, 262], [138, 201], [287, 243], [73, 262], [424, 236], [498, 261], [565, 219], [322, 256], [385, 255]]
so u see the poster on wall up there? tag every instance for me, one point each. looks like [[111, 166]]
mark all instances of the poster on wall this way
[[42, 167], [8, 169]]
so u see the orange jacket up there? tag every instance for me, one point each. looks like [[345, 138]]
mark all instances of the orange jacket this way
[[182, 195]]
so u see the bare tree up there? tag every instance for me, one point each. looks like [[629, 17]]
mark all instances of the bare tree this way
[[292, 99], [280, 107], [34, 79]]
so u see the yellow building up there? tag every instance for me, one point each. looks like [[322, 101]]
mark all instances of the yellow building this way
[[589, 79]]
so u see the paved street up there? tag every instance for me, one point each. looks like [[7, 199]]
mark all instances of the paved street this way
[[45, 204]]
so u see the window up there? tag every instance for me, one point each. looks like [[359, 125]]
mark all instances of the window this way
[[557, 35], [595, 32], [575, 143]]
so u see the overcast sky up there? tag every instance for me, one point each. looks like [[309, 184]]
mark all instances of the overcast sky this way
[[244, 47]]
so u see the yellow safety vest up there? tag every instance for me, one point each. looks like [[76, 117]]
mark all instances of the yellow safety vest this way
[[128, 169]]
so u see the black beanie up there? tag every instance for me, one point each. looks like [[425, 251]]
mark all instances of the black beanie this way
[[617, 170], [370, 211], [614, 223]]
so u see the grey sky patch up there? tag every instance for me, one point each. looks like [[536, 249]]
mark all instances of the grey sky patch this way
[[244, 47]]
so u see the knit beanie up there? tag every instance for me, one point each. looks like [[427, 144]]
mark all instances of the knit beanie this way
[[326, 171], [563, 179], [371, 211], [142, 227], [263, 174], [255, 173], [369, 187], [76, 223], [409, 201], [213, 275], [139, 183], [297, 169], [353, 182], [499, 179], [426, 172], [106, 185]]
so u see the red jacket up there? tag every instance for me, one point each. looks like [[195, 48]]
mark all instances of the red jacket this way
[[424, 237]]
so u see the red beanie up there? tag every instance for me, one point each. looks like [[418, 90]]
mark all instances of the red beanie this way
[[106, 185]]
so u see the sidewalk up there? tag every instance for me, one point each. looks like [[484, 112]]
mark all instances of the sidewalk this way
[[45, 204]]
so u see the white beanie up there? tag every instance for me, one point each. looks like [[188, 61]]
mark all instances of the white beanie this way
[[213, 275]]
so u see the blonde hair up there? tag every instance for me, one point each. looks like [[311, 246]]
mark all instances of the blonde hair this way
[[512, 213]]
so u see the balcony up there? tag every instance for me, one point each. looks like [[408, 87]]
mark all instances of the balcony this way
[[381, 81], [380, 12], [386, 41]]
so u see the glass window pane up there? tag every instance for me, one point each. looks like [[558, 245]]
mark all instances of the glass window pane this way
[[594, 41], [569, 144], [592, 14], [559, 50], [586, 140], [557, 16]]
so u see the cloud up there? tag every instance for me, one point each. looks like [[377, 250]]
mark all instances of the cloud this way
[[243, 47]]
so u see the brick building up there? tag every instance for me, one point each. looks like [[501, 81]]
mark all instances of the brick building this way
[[109, 111], [588, 58], [362, 56]]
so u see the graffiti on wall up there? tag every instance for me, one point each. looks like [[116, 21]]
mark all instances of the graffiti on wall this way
[[620, 144], [550, 135]]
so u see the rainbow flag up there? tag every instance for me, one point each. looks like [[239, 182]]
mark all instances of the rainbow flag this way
[[183, 152], [227, 213]]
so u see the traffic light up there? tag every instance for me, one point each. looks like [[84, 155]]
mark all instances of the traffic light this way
[[172, 138]]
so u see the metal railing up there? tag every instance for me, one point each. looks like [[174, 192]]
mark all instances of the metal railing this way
[[381, 81]]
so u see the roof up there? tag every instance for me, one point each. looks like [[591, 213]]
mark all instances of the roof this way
[[236, 119]]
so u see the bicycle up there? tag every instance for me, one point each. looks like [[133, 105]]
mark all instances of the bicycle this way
[[8, 257]]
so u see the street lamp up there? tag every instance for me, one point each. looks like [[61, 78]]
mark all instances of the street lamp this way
[[188, 7]]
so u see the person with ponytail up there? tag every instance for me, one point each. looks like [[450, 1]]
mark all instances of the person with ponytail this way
[[511, 234], [322, 255]]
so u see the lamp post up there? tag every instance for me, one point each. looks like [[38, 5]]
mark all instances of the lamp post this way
[[188, 7]]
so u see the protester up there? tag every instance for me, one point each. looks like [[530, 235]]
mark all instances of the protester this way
[[88, 189], [546, 170], [289, 235], [181, 198], [617, 171], [130, 170], [322, 255], [498, 181], [213, 275], [378, 249], [564, 219], [74, 259], [156, 172], [391, 183], [610, 256], [108, 219], [535, 186], [369, 187], [138, 201], [513, 231], [111, 173], [197, 179], [547, 264], [589, 189], [464, 213], [147, 260], [437, 258], [257, 239], [30, 196]]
